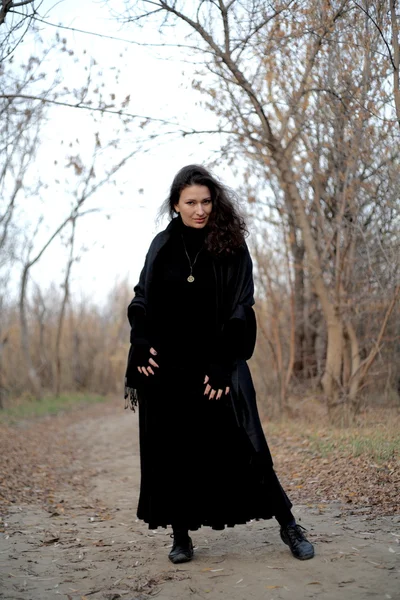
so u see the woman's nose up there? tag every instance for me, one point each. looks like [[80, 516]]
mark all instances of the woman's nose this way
[[200, 210]]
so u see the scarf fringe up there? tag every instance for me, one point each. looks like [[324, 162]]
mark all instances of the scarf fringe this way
[[131, 398]]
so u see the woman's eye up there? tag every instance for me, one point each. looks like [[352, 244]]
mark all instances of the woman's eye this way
[[191, 202]]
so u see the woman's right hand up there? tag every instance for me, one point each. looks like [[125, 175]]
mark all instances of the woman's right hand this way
[[147, 370], [212, 393]]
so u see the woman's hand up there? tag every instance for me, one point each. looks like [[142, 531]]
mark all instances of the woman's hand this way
[[147, 370], [210, 392]]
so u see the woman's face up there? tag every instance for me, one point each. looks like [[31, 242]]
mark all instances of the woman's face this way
[[194, 206]]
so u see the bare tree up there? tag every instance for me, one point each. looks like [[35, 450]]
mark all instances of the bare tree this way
[[29, 262], [88, 185], [300, 91], [29, 90], [15, 20]]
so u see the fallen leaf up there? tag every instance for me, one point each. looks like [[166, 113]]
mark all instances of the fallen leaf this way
[[101, 543], [52, 540]]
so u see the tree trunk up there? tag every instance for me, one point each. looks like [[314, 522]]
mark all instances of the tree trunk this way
[[312, 319], [3, 343], [292, 336], [331, 378], [297, 250], [396, 58], [354, 382], [57, 386], [346, 370], [33, 379]]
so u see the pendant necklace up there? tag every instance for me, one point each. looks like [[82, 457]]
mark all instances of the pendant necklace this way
[[190, 279]]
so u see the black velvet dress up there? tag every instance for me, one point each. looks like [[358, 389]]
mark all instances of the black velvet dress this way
[[197, 464]]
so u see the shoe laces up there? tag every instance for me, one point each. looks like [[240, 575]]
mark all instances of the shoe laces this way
[[295, 532]]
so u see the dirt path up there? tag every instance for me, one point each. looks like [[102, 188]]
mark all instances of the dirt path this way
[[89, 544]]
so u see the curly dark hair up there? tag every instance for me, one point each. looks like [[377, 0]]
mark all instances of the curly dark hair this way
[[226, 226]]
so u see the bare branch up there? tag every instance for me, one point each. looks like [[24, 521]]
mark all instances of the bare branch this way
[[7, 5], [371, 18], [79, 105], [232, 66], [224, 13]]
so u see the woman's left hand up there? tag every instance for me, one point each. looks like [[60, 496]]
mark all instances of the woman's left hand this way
[[211, 393]]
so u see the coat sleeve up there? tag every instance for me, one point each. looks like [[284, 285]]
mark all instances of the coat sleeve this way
[[138, 302], [240, 330]]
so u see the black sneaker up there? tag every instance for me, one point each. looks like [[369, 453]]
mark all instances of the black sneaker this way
[[293, 536], [182, 551]]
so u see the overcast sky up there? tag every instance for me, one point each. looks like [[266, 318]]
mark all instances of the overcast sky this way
[[159, 86]]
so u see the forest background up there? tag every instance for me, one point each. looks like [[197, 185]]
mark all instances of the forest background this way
[[294, 104]]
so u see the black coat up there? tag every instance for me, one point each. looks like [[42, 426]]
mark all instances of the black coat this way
[[235, 300]]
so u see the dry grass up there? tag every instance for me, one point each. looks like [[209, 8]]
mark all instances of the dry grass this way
[[376, 434], [358, 466], [26, 408]]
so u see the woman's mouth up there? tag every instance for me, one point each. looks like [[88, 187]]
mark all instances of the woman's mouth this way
[[200, 220]]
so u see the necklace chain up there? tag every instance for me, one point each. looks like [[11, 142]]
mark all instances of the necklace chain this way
[[190, 279]]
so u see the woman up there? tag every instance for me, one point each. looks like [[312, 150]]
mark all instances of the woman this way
[[204, 457]]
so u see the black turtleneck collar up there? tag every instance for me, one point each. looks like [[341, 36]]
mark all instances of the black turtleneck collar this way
[[194, 237]]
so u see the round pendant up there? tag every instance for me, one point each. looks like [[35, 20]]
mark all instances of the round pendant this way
[[190, 279]]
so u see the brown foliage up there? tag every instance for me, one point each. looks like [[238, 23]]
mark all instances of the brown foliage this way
[[93, 346]]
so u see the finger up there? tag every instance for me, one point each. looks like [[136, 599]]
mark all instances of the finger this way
[[207, 390], [227, 390], [219, 394], [144, 371], [152, 351], [139, 369], [153, 363], [212, 394], [150, 370], [206, 378]]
